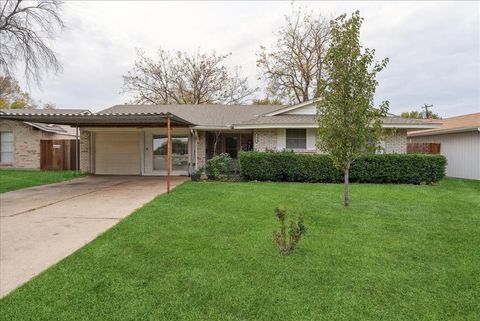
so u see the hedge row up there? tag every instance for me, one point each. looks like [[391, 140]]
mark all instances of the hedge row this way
[[314, 168]]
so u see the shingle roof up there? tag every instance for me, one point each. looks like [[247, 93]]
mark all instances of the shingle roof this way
[[201, 115], [237, 115], [452, 125], [206, 116]]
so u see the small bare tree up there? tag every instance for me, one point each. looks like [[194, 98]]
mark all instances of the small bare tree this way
[[49, 106], [25, 27], [184, 78], [294, 65], [287, 237]]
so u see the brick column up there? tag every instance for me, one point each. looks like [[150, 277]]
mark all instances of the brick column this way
[[201, 148], [85, 151]]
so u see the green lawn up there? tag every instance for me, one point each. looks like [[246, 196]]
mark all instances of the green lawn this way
[[205, 252], [11, 180]]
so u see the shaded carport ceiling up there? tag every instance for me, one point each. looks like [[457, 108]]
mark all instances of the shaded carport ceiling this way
[[99, 119]]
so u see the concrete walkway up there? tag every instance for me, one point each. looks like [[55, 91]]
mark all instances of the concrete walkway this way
[[41, 225]]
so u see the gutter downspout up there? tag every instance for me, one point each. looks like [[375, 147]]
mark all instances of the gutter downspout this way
[[195, 135]]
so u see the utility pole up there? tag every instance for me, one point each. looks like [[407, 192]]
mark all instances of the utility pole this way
[[425, 106]]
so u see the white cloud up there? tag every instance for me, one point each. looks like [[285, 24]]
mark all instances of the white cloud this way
[[433, 46]]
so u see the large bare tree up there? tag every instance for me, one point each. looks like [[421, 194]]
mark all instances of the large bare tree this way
[[293, 66], [25, 27], [185, 78]]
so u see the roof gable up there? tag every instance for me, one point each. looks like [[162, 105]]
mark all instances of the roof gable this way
[[305, 108]]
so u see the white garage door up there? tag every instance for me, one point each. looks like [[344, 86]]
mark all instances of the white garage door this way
[[117, 154]]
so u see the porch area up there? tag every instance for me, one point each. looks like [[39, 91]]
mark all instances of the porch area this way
[[230, 142]]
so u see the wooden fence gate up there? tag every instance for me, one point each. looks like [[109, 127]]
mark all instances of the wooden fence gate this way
[[57, 155], [423, 148]]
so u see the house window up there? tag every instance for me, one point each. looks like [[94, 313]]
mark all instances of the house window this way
[[6, 147], [296, 138], [179, 153]]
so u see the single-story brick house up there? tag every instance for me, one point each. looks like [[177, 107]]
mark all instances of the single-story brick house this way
[[20, 140], [459, 139], [132, 139]]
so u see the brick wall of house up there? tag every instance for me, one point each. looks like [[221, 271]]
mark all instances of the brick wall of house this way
[[264, 139], [85, 151], [26, 143], [395, 141], [201, 148]]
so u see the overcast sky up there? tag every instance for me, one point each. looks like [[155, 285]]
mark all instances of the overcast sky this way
[[433, 46]]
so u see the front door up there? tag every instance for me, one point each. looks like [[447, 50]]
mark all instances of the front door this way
[[179, 164]]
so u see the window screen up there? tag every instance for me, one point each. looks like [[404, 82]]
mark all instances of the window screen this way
[[6, 147], [296, 138]]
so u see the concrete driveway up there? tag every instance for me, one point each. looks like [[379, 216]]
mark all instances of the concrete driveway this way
[[41, 225]]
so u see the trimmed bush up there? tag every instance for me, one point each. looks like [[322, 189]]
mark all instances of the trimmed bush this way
[[315, 168], [218, 165]]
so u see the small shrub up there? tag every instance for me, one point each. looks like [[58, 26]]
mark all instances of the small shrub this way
[[195, 176], [383, 169], [218, 165], [287, 240]]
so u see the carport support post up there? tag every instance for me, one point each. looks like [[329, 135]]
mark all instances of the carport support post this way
[[77, 148], [169, 153]]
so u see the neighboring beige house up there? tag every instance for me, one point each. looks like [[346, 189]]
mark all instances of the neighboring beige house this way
[[131, 139], [20, 140], [459, 139]]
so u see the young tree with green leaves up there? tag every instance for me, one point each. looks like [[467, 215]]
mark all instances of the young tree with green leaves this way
[[349, 124]]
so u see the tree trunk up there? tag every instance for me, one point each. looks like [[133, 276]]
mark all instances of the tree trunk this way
[[346, 197], [217, 135]]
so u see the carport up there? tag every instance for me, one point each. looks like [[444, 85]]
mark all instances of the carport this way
[[117, 147]]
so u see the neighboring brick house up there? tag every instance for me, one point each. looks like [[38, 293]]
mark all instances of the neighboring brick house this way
[[132, 139], [20, 140]]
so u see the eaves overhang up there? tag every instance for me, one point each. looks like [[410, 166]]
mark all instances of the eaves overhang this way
[[272, 126], [99, 119], [445, 131]]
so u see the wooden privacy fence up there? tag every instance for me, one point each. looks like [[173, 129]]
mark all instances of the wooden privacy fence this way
[[423, 148], [57, 155]]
